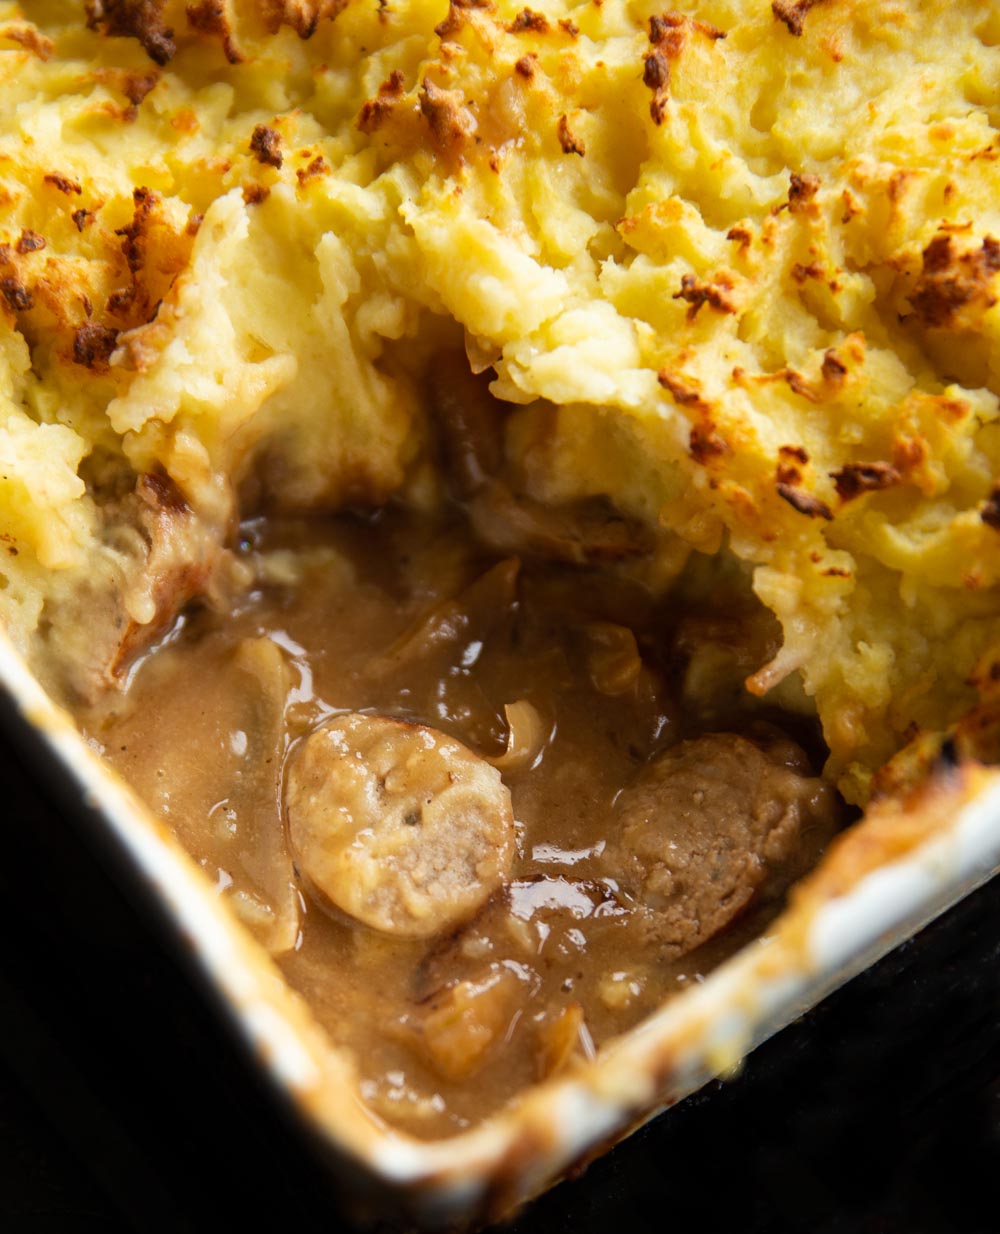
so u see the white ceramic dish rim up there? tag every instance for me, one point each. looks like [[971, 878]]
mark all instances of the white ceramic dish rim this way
[[510, 1157]]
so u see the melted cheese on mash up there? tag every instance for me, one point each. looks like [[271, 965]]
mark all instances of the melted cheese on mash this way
[[735, 261]]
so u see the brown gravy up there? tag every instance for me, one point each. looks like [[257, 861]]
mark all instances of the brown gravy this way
[[405, 617]]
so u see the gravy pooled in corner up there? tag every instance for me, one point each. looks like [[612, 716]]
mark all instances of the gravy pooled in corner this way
[[475, 806]]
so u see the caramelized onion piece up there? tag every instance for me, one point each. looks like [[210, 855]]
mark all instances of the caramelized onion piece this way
[[271, 909], [562, 1034], [213, 720], [397, 825], [471, 420], [474, 613], [613, 659], [527, 737], [460, 1026]]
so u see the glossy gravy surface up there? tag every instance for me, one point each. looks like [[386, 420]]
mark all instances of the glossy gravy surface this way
[[396, 616]]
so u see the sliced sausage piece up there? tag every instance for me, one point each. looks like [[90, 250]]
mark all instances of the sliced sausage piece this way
[[712, 824], [165, 556], [397, 825]]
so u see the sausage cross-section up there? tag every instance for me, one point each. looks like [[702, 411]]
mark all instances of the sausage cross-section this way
[[712, 824], [397, 825]]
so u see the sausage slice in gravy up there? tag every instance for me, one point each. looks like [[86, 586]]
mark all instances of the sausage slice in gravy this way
[[711, 824], [397, 825]]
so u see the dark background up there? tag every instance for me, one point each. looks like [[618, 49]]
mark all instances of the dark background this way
[[124, 1106]]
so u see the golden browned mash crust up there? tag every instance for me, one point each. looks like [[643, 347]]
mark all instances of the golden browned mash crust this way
[[734, 266], [792, 13]]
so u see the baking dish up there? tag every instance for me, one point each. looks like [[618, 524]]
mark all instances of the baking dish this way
[[881, 881], [734, 334]]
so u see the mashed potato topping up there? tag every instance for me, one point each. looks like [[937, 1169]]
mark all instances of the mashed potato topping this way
[[735, 263]]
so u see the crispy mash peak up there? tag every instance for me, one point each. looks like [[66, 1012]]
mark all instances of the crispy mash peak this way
[[736, 264]]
